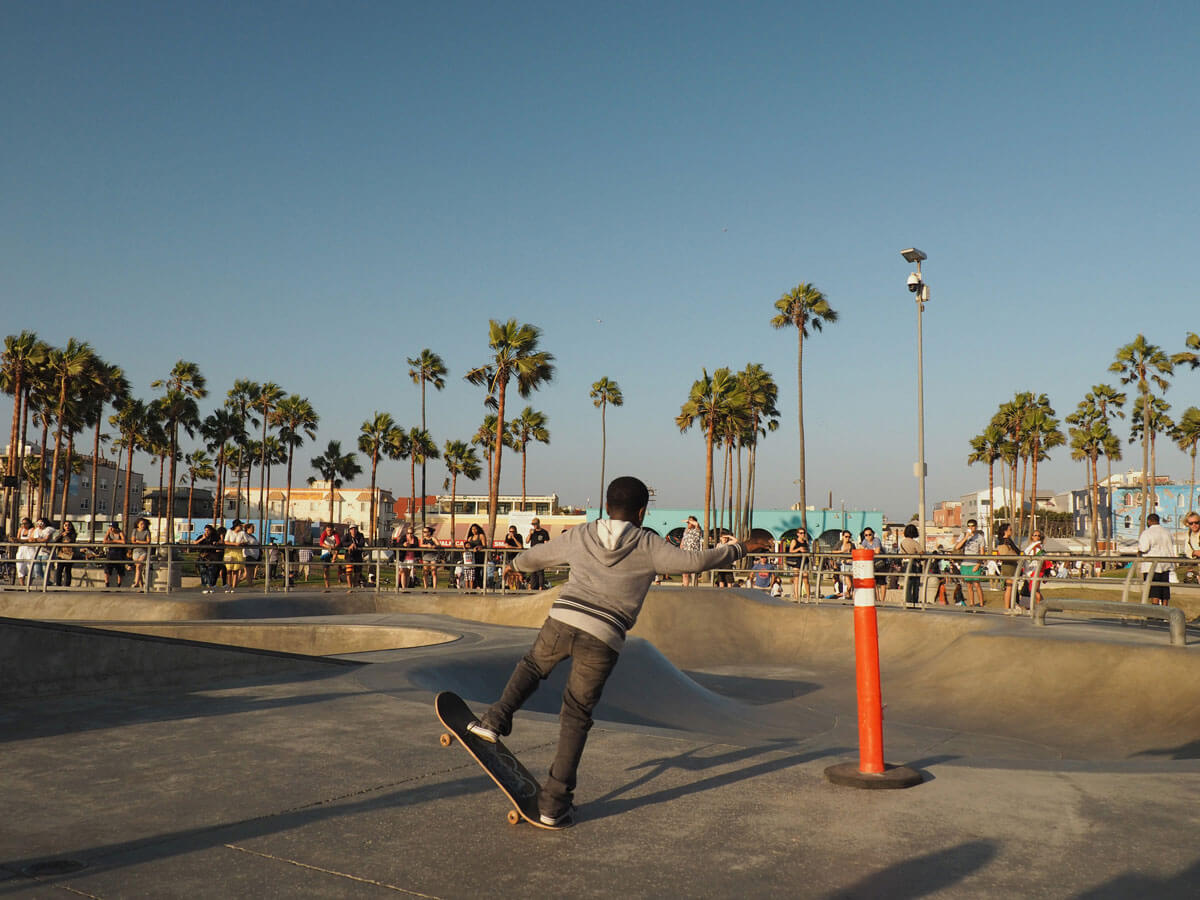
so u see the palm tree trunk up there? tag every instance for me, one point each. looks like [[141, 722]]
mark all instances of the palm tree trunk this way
[[524, 448], [95, 470], [287, 500], [67, 476], [800, 425], [58, 433], [374, 465], [991, 531], [1145, 452], [41, 503], [128, 479], [494, 494], [171, 469], [191, 495], [16, 453], [738, 525], [1033, 505], [424, 490], [708, 475], [1095, 496], [603, 454]]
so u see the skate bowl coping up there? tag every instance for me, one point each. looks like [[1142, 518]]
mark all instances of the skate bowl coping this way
[[303, 638]]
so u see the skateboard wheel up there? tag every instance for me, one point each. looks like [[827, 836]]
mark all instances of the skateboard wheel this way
[[446, 740], [514, 817]]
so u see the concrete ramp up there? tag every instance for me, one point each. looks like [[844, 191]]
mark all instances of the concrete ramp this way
[[645, 690]]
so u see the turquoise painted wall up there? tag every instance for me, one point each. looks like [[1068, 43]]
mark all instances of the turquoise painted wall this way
[[776, 521]]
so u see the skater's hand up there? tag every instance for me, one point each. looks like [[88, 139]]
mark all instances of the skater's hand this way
[[759, 544]]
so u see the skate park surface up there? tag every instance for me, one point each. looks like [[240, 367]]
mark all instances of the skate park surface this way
[[286, 745]]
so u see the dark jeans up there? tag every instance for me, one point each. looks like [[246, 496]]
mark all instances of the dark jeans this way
[[591, 662]]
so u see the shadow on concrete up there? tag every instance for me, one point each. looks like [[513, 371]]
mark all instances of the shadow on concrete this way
[[1184, 885], [1190, 750], [925, 874], [27, 719], [113, 857], [692, 760]]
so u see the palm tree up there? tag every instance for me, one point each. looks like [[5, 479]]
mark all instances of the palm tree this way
[[273, 454], [1160, 423], [707, 401], [485, 439], [1086, 440], [459, 459], [760, 392], [296, 419], [265, 402], [68, 367], [130, 419], [181, 389], [426, 368], [1011, 419], [1107, 398], [515, 355], [240, 399], [803, 307], [418, 447], [530, 425], [75, 416], [604, 393], [199, 466], [1143, 364], [1190, 356], [110, 386], [221, 427], [335, 468], [987, 447], [1187, 435], [23, 355], [379, 436], [1044, 434]]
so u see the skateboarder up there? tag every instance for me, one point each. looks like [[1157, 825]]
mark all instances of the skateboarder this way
[[613, 562]]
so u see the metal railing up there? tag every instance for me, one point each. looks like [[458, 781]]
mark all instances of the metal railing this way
[[926, 580]]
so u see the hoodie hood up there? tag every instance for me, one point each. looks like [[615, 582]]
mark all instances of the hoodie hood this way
[[614, 539]]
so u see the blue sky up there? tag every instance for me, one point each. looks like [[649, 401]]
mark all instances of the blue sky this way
[[309, 193]]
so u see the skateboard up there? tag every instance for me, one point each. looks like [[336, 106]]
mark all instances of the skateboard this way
[[497, 760]]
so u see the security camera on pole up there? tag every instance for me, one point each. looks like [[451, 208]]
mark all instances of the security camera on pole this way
[[920, 290]]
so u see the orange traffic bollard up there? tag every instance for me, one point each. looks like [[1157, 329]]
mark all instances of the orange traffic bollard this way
[[871, 772]]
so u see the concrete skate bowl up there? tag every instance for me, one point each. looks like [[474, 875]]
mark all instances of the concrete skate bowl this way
[[722, 661], [42, 659]]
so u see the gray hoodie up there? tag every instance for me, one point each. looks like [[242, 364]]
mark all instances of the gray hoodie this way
[[613, 564]]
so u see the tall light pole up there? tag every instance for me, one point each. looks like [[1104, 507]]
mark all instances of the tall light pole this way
[[920, 292]]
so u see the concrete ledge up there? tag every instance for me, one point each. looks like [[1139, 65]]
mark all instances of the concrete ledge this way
[[1170, 614]]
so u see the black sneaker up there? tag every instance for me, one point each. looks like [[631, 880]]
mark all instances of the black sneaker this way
[[482, 732], [564, 819]]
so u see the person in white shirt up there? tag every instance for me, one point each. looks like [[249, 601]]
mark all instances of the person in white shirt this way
[[1157, 541]]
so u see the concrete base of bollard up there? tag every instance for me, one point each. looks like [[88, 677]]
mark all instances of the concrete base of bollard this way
[[891, 778]]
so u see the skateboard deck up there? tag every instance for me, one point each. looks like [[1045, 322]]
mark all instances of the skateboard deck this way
[[498, 761]]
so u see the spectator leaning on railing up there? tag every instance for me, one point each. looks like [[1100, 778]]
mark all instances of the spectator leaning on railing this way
[[1157, 541]]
